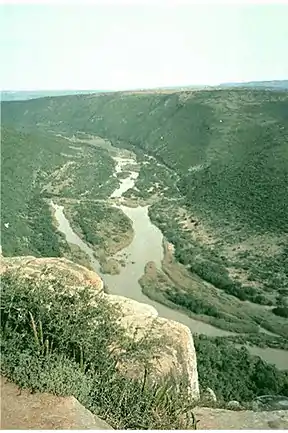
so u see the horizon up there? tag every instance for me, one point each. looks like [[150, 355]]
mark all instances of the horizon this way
[[132, 47], [144, 88]]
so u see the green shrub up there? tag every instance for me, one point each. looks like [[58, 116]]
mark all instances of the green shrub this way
[[233, 373], [192, 303], [281, 311], [55, 341]]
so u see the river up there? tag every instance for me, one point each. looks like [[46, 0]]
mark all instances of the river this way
[[146, 246]]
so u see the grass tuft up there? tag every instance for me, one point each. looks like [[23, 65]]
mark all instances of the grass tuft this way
[[55, 341]]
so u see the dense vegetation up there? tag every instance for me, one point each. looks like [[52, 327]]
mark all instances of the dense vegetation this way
[[26, 161], [36, 167], [175, 287], [229, 146], [55, 341], [104, 227], [234, 374], [250, 268]]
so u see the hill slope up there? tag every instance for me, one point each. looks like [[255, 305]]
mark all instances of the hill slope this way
[[228, 150], [29, 163], [229, 147]]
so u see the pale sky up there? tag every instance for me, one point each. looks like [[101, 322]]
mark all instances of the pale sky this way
[[122, 47]]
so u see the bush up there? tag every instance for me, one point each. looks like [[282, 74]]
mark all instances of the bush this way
[[281, 311], [57, 341], [193, 304], [233, 373]]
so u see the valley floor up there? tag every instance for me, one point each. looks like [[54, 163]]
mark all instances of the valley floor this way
[[108, 228]]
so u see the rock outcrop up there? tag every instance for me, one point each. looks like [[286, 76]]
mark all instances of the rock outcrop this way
[[44, 411], [39, 411], [174, 350], [209, 395], [52, 269]]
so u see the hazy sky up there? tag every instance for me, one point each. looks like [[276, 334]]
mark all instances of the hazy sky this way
[[117, 47]]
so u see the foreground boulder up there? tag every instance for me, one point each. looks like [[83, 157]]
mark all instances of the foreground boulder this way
[[174, 350], [52, 269], [38, 411], [43, 411]]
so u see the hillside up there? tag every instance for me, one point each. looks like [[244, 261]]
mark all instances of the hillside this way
[[236, 138], [213, 168], [227, 147], [228, 150], [38, 157]]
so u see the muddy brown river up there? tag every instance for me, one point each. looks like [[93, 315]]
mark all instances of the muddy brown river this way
[[146, 246]]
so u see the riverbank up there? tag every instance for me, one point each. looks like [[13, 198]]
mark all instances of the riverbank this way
[[173, 285], [146, 245], [156, 284], [128, 265]]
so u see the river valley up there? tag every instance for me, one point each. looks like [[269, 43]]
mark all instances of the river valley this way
[[146, 246]]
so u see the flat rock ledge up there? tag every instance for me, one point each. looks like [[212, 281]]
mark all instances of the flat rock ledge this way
[[39, 411], [43, 411]]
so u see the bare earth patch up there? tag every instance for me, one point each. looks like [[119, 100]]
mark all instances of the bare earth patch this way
[[198, 231]]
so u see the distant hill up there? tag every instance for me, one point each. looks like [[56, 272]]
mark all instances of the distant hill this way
[[272, 85], [24, 95]]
